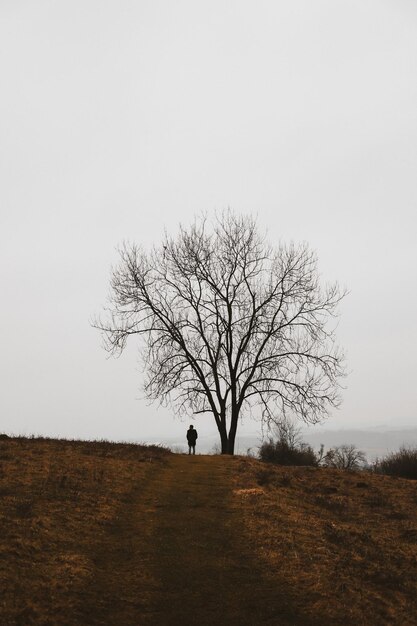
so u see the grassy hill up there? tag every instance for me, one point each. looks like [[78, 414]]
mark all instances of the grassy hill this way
[[94, 533]]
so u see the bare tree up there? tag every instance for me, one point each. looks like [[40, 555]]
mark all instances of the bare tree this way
[[346, 456], [228, 324], [288, 431]]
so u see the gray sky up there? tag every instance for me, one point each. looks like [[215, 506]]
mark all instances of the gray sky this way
[[120, 118]]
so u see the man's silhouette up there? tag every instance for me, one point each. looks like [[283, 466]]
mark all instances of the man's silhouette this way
[[191, 438]]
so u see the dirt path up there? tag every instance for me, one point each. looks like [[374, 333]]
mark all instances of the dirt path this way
[[177, 554]]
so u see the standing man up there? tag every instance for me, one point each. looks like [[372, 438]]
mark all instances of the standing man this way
[[191, 438]]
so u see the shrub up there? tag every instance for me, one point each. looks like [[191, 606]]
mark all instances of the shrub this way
[[402, 463], [283, 453], [288, 448]]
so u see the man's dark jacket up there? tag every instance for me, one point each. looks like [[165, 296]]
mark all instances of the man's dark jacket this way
[[192, 436]]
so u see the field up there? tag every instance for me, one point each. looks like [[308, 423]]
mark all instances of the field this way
[[94, 533]]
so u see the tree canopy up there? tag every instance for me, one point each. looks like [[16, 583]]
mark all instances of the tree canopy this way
[[229, 323]]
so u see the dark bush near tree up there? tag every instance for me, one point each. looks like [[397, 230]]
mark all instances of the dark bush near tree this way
[[402, 463], [283, 453], [288, 448]]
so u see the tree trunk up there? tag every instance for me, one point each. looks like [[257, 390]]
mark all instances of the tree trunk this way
[[228, 445], [231, 446], [228, 441], [232, 432], [223, 436]]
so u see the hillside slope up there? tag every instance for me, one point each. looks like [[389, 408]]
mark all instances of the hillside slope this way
[[97, 534]]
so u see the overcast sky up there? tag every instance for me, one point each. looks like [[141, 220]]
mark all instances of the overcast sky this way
[[121, 118]]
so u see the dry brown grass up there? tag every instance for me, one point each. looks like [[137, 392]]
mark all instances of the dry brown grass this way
[[59, 502], [344, 543], [106, 534]]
